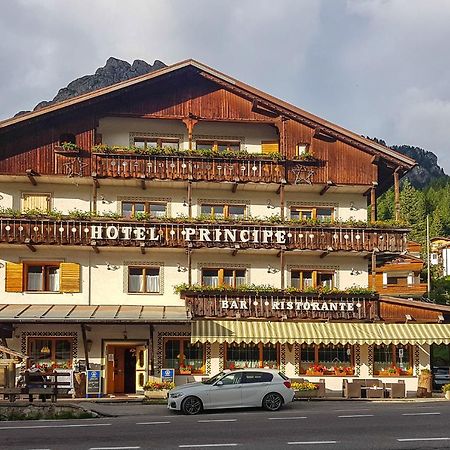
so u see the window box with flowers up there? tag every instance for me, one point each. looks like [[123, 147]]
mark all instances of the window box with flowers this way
[[305, 389], [157, 389]]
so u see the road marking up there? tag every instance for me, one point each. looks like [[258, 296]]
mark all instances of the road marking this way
[[287, 418], [216, 420], [150, 423], [351, 410], [424, 439], [311, 442], [113, 448], [207, 445], [57, 426], [422, 414], [355, 416]]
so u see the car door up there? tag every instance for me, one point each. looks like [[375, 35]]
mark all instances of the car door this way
[[254, 386], [226, 393]]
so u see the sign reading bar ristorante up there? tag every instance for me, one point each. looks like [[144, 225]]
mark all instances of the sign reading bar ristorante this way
[[257, 235]]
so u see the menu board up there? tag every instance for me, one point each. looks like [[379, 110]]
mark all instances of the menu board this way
[[94, 382]]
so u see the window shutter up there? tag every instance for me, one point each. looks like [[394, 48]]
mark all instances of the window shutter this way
[[36, 201], [269, 147], [69, 277], [14, 277]]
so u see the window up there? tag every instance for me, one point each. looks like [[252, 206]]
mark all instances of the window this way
[[220, 211], [326, 359], [392, 360], [257, 377], [143, 280], [50, 353], [302, 149], [239, 356], [42, 277], [133, 210], [306, 279], [67, 137], [36, 202], [232, 378], [400, 278], [183, 356], [312, 213], [153, 142], [218, 145], [223, 277]]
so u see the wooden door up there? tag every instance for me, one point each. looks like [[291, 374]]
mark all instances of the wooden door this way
[[141, 367], [119, 369], [110, 369]]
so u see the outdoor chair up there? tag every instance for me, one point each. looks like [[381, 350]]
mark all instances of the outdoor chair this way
[[351, 390], [395, 390]]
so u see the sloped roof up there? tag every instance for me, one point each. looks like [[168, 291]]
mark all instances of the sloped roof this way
[[403, 160]]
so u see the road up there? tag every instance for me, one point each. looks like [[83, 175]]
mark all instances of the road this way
[[307, 425]]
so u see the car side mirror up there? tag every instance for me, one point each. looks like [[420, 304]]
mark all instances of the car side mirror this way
[[219, 383]]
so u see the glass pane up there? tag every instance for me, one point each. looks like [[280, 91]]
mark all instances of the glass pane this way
[[139, 208], [152, 280], [233, 378], [325, 280], [242, 355], [307, 280], [270, 359], [324, 214], [204, 145], [152, 144], [168, 144], [41, 353], [235, 147], [307, 358], [295, 214], [193, 356], [63, 354], [333, 358], [210, 277], [295, 280], [236, 211], [240, 277], [306, 214], [228, 278], [53, 279], [139, 143], [35, 278], [206, 210], [127, 209], [402, 357], [218, 211], [382, 359], [135, 279], [172, 354], [157, 209]]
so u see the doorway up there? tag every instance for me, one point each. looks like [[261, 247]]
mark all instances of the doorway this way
[[126, 367]]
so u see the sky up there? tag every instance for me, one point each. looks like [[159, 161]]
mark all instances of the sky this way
[[380, 68]]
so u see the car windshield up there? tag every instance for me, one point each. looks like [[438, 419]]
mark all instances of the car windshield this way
[[215, 378]]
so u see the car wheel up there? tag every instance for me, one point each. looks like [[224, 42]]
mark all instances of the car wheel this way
[[272, 401], [191, 405]]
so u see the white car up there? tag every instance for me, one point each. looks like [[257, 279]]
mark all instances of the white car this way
[[265, 388]]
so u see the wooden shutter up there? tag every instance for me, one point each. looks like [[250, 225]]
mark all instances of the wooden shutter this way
[[14, 277], [269, 147], [69, 277], [36, 201]]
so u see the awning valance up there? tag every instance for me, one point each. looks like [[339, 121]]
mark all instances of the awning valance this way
[[319, 332]]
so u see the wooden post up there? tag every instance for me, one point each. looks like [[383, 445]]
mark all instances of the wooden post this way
[[373, 269], [189, 199], [282, 281], [150, 350], [86, 352], [190, 123], [95, 186], [397, 194], [373, 205], [189, 264], [282, 201]]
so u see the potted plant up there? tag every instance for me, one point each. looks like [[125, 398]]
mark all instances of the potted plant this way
[[446, 391], [185, 370], [157, 389], [305, 389]]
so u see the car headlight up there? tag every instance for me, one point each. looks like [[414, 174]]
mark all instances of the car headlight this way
[[176, 395]]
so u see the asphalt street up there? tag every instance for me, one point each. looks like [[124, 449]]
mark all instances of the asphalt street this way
[[307, 425]]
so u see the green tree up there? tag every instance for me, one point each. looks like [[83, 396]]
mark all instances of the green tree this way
[[413, 211]]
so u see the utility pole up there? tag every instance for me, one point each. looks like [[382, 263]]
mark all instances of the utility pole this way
[[428, 258]]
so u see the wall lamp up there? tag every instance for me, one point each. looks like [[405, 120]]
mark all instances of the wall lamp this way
[[408, 318], [355, 272], [440, 318], [111, 266], [184, 202], [269, 205], [271, 269], [104, 201], [353, 207], [181, 268]]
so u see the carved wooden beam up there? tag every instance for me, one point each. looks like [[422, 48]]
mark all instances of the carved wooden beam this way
[[234, 187], [31, 174], [323, 254], [95, 247], [259, 109], [142, 182], [326, 187], [30, 245], [142, 247]]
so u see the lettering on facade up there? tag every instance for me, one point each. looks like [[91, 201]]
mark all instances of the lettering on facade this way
[[304, 305]]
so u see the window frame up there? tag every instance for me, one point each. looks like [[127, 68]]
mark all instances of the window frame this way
[[304, 371], [393, 352], [160, 141], [182, 358], [226, 209], [46, 265], [216, 142], [313, 210], [144, 275], [315, 273], [221, 275], [260, 352], [146, 203], [47, 195], [52, 355]]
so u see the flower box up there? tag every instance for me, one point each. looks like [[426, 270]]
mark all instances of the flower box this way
[[313, 393], [156, 395]]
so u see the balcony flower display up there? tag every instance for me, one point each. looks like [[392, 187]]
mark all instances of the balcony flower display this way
[[304, 386], [316, 369]]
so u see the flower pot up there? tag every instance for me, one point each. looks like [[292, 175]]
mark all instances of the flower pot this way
[[154, 395]]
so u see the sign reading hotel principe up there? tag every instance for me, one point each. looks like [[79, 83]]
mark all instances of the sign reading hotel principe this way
[[278, 306]]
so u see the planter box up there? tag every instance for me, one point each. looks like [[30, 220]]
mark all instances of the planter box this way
[[154, 395], [307, 394]]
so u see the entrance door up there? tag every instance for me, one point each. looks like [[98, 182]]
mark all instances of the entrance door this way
[[141, 367], [129, 371]]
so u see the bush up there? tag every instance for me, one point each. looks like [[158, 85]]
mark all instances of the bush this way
[[158, 385]]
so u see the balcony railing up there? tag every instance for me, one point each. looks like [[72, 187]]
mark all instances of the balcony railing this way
[[98, 232], [281, 306], [195, 168]]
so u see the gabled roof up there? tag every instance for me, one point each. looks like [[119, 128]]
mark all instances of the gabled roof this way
[[401, 159]]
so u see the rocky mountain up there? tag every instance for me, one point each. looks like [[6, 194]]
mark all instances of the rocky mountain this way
[[114, 71], [427, 169]]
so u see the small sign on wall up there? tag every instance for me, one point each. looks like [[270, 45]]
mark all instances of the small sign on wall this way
[[168, 375], [94, 383]]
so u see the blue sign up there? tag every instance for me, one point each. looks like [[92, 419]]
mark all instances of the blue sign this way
[[94, 382], [167, 375]]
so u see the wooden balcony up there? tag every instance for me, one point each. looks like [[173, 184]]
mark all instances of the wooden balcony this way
[[413, 290], [281, 306], [195, 168], [290, 236]]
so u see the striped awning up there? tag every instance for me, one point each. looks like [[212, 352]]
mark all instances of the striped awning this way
[[318, 332]]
